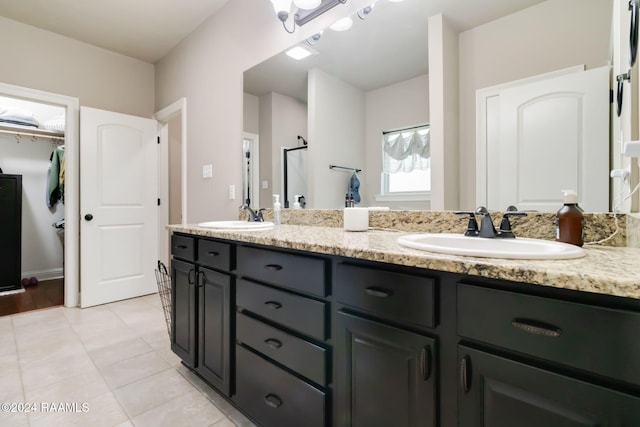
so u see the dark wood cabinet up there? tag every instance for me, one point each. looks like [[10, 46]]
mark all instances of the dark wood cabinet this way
[[385, 376], [282, 355], [10, 231], [183, 304], [214, 328], [202, 304], [300, 339], [496, 391]]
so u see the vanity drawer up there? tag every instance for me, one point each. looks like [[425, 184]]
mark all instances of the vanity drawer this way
[[293, 311], [214, 254], [297, 354], [594, 339], [397, 296], [273, 397], [183, 247], [299, 272]]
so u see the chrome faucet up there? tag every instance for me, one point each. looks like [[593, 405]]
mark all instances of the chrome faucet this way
[[487, 229], [253, 215]]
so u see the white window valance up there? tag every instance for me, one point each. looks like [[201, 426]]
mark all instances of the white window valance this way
[[406, 150]]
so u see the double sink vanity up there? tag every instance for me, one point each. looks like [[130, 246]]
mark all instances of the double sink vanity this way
[[316, 326]]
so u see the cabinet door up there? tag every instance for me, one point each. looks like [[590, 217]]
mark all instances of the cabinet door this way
[[499, 392], [384, 375], [214, 329], [183, 304]]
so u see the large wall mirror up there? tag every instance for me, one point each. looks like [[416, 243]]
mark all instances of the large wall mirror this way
[[374, 78]]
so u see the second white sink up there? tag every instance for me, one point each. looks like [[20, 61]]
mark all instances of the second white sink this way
[[518, 248], [237, 225]]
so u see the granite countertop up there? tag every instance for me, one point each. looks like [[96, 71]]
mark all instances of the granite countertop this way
[[604, 269]]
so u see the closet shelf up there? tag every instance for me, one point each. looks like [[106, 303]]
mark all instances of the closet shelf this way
[[31, 132]]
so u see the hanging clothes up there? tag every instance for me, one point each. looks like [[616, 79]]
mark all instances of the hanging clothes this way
[[55, 186]]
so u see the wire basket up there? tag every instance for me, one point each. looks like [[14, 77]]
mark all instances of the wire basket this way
[[164, 290]]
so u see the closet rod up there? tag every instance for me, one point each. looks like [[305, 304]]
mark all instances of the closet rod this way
[[36, 135], [405, 129], [344, 167]]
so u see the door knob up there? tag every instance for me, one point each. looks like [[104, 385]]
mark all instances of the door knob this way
[[88, 217]]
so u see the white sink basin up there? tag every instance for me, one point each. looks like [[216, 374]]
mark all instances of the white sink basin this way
[[237, 225], [518, 248]]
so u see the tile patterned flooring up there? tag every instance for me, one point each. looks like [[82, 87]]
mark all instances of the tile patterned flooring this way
[[114, 359]]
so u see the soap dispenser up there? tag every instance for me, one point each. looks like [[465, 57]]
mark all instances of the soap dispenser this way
[[569, 220], [296, 204], [277, 209]]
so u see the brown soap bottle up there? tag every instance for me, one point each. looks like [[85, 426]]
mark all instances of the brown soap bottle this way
[[569, 220]]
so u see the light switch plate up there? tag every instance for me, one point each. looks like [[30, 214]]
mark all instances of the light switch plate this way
[[265, 184], [232, 192], [207, 171]]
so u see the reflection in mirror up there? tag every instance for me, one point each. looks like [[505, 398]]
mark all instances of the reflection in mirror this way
[[374, 78]]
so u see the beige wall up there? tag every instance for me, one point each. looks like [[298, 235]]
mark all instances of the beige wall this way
[[39, 59], [336, 137], [207, 68], [396, 106], [553, 35], [251, 113]]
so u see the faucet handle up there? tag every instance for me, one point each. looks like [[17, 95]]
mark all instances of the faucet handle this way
[[472, 226], [482, 211], [505, 225]]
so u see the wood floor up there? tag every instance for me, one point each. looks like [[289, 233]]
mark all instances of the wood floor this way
[[45, 294]]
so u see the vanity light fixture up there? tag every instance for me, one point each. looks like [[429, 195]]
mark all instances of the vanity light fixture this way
[[306, 10]]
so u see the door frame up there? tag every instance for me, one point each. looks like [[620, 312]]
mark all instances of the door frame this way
[[254, 164], [482, 97], [163, 116], [72, 181]]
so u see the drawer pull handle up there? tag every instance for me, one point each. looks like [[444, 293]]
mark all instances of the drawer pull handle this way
[[465, 374], [536, 328], [272, 400], [273, 304], [273, 343], [273, 267], [182, 246], [425, 362], [376, 292], [213, 253]]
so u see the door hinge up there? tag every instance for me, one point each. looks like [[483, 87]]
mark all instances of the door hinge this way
[[158, 140], [158, 202]]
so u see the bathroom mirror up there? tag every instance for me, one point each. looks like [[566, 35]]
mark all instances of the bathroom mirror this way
[[390, 45]]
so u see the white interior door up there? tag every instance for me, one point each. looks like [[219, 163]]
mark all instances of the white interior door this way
[[551, 135], [118, 206]]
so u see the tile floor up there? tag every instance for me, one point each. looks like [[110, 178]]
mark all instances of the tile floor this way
[[110, 365]]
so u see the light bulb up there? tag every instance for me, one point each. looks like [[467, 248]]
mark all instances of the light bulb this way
[[307, 4], [342, 24]]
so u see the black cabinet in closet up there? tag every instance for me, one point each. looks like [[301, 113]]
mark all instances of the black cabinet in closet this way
[[10, 231]]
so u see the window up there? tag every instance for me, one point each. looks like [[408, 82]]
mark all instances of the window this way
[[406, 161]]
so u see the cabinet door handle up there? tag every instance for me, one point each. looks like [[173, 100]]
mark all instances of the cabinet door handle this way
[[272, 400], [377, 292], [200, 279], [465, 374], [191, 276], [425, 362], [213, 253], [273, 267], [536, 328], [273, 343], [273, 304]]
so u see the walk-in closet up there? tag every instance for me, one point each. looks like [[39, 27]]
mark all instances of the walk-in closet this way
[[32, 212]]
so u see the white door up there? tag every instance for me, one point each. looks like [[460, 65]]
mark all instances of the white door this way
[[553, 135], [118, 206]]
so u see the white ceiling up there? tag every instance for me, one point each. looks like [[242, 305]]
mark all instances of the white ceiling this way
[[389, 46], [143, 29]]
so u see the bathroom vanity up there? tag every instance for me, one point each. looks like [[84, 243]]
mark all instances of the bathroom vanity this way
[[316, 326]]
